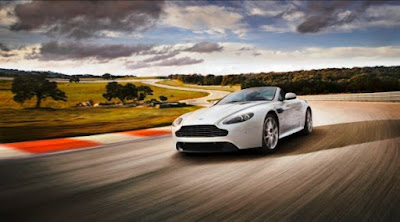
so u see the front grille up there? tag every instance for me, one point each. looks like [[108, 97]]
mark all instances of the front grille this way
[[200, 131]]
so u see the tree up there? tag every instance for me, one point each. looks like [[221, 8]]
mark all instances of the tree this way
[[141, 96], [74, 79], [163, 98], [115, 90], [144, 91], [107, 76], [26, 87], [252, 83], [364, 83], [130, 91]]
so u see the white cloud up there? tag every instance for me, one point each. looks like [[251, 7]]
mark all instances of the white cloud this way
[[277, 29], [261, 12], [210, 19], [293, 16]]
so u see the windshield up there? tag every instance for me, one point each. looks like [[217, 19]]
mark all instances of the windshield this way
[[247, 95]]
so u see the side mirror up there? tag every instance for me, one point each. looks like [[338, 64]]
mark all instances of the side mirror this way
[[289, 96]]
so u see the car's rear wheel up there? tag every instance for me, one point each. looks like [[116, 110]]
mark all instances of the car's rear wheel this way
[[308, 123], [270, 134]]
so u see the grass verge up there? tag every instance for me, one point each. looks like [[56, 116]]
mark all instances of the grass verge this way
[[35, 124]]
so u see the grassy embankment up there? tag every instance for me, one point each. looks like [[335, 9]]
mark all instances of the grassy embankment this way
[[208, 87], [61, 119]]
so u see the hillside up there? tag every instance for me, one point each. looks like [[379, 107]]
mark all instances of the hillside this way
[[332, 80]]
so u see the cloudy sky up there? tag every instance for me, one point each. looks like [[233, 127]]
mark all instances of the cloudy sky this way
[[166, 37]]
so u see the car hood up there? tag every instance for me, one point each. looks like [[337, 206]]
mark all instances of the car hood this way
[[216, 113]]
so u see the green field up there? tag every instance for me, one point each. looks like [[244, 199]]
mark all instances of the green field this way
[[62, 119], [82, 92], [211, 87]]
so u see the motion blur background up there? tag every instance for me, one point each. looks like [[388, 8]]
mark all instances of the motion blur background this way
[[88, 90]]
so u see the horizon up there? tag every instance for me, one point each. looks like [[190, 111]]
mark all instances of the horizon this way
[[224, 37], [203, 74]]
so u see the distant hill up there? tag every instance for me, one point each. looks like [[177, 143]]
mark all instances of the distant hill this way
[[330, 80], [16, 72]]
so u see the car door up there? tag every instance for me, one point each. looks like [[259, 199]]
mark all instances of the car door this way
[[286, 115], [288, 112], [294, 109]]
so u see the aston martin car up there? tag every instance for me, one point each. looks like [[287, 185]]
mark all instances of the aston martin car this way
[[250, 118]]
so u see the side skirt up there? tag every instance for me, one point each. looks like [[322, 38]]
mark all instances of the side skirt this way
[[290, 132]]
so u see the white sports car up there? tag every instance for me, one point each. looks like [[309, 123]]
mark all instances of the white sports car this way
[[250, 118]]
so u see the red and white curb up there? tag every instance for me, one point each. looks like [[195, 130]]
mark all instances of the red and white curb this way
[[28, 148]]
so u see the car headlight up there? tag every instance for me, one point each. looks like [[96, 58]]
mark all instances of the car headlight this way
[[177, 122], [238, 119]]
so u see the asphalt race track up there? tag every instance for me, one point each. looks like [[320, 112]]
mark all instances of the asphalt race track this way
[[347, 169]]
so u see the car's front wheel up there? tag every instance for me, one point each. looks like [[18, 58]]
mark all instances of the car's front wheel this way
[[270, 134], [308, 123]]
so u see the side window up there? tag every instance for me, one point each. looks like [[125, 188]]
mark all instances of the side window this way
[[282, 95]]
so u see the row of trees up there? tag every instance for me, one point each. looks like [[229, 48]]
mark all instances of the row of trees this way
[[366, 79], [199, 79], [29, 86], [129, 91]]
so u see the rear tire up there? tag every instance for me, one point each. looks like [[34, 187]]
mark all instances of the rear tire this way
[[308, 123], [270, 134]]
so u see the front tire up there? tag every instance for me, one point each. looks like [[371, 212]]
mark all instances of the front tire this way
[[270, 134], [308, 123]]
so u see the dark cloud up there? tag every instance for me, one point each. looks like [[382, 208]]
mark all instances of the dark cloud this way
[[76, 50], [179, 62], [168, 62], [5, 51], [138, 65], [8, 3], [4, 48], [325, 14], [6, 55], [246, 49], [165, 56], [161, 57], [84, 19], [205, 47], [164, 50], [253, 51]]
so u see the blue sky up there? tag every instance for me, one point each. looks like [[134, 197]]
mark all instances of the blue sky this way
[[223, 37]]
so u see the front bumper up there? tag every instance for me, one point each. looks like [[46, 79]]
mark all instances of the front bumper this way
[[240, 136]]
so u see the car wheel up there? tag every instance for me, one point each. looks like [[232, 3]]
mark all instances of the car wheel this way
[[270, 134], [308, 124]]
